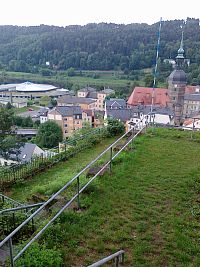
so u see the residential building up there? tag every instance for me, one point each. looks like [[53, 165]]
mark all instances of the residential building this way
[[15, 102], [115, 103], [99, 96], [26, 153], [87, 117], [69, 118], [191, 104], [88, 92], [44, 116], [137, 115], [84, 103], [98, 119]]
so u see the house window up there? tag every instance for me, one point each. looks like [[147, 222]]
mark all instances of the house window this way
[[65, 125], [174, 98]]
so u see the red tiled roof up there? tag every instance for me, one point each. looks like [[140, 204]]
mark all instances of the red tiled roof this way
[[187, 122], [143, 95], [192, 89]]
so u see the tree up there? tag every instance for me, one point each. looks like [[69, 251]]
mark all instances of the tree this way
[[71, 72], [9, 143], [115, 127], [45, 100], [148, 80], [8, 105], [49, 134]]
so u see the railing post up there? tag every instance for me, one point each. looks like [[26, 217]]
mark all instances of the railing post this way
[[132, 133], [78, 189], [11, 252], [111, 152], [122, 258], [117, 261]]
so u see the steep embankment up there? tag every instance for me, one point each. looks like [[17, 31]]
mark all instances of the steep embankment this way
[[149, 207]]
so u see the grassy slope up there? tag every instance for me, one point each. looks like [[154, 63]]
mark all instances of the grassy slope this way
[[147, 207], [52, 180]]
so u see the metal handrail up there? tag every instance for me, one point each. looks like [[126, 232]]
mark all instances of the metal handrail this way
[[76, 177], [21, 208], [14, 202], [60, 191], [118, 255]]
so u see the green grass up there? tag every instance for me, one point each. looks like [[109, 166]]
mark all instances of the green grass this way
[[52, 180], [149, 207], [104, 79], [24, 109]]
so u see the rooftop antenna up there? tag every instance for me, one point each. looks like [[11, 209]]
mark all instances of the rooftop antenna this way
[[156, 66]]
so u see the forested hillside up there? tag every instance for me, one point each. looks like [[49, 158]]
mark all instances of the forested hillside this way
[[95, 46]]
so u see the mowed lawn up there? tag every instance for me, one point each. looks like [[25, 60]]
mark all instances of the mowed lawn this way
[[149, 207]]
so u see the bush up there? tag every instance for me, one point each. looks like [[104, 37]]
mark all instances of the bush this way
[[40, 256], [115, 127]]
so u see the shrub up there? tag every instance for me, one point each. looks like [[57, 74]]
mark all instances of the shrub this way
[[40, 256]]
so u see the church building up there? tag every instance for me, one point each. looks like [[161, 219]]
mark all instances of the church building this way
[[176, 87]]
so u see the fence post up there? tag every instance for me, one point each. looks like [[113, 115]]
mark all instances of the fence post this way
[[111, 152], [117, 261], [78, 189], [11, 252]]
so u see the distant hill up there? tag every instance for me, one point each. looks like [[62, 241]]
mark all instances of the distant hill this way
[[95, 46]]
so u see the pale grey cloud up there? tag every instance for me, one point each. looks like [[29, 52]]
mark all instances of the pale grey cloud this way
[[68, 12]]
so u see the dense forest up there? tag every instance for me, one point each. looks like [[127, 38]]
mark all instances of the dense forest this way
[[97, 46]]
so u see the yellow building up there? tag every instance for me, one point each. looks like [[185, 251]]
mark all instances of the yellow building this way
[[69, 118]]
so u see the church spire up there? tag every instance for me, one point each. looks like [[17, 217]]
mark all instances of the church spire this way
[[180, 57]]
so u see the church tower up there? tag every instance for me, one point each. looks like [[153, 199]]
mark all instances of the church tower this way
[[176, 86]]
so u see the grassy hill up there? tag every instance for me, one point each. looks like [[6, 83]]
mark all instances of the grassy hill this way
[[149, 207]]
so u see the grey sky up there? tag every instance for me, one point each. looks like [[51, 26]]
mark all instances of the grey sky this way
[[71, 12]]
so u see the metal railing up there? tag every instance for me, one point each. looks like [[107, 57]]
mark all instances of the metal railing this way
[[79, 190], [24, 207], [9, 200], [118, 257]]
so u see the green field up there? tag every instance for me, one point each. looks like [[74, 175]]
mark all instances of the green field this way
[[149, 207]]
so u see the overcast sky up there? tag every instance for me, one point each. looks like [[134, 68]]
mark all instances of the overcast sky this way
[[71, 12]]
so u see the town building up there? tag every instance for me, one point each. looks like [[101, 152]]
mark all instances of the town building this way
[[69, 118], [191, 104], [98, 118], [31, 91], [99, 96], [27, 152], [115, 103], [136, 116], [143, 96], [84, 103], [87, 117]]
